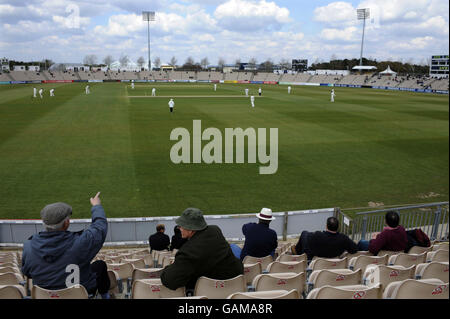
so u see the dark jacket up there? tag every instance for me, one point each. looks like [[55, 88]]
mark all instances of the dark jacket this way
[[206, 253], [325, 244], [389, 239], [47, 254], [159, 241], [177, 241], [260, 240]]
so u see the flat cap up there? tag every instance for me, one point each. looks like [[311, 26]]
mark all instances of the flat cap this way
[[54, 214]]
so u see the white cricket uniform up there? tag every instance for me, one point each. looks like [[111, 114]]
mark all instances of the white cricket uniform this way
[[215, 87], [171, 105], [289, 90], [40, 93], [153, 92], [332, 95], [259, 91], [132, 85], [246, 92], [87, 89], [252, 99], [52, 92], [34, 92]]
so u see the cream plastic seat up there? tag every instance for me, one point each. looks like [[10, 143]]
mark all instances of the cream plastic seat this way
[[269, 294], [154, 289], [383, 275], [286, 257], [122, 272], [12, 292], [264, 261], [438, 255], [146, 273], [328, 263], [362, 261], [433, 269], [334, 277], [137, 263], [74, 292], [161, 257], [251, 271], [419, 249], [167, 260], [389, 252], [219, 288], [407, 260], [441, 245], [11, 278], [287, 266], [417, 289], [280, 281], [345, 292]]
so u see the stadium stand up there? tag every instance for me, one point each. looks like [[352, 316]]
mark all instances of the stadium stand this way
[[245, 76], [437, 255], [231, 76]]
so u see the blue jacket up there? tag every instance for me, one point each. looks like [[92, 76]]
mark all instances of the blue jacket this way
[[47, 254], [260, 240]]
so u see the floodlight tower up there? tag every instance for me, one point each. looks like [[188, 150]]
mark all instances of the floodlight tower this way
[[362, 14], [148, 16]]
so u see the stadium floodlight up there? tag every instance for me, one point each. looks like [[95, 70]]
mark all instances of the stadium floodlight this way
[[148, 16], [362, 14]]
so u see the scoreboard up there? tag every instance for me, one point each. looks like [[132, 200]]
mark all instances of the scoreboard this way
[[439, 66], [299, 65]]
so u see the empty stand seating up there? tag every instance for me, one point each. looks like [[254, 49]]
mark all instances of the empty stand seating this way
[[219, 289], [417, 289]]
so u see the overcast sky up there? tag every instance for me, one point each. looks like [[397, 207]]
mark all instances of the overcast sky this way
[[67, 31]]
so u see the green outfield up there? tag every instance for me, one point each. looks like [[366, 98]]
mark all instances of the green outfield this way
[[369, 146]]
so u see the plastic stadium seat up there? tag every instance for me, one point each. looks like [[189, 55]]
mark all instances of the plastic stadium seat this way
[[137, 263], [438, 270], [287, 266], [146, 273], [441, 245], [383, 275], [417, 289], [270, 294], [361, 262], [74, 292], [264, 261], [438, 255], [334, 277], [167, 260], [328, 263], [280, 281], [122, 271], [345, 292], [286, 257], [419, 249], [154, 289], [389, 252], [407, 260], [11, 278], [219, 289], [251, 271], [357, 254], [12, 292]]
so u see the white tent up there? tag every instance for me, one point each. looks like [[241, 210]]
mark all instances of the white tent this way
[[388, 71]]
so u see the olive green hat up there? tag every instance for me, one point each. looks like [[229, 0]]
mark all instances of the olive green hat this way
[[192, 219]]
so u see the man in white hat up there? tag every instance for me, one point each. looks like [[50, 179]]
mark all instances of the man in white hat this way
[[260, 240]]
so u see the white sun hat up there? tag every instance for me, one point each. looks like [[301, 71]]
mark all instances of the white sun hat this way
[[266, 214]]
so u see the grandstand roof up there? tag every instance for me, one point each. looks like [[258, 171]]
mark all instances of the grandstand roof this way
[[364, 67], [388, 71]]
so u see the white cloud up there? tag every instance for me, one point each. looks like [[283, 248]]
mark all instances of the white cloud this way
[[347, 34], [336, 13]]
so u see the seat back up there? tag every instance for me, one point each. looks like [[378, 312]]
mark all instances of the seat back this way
[[10, 278], [122, 270], [251, 271], [146, 273], [438, 255], [287, 266], [264, 261], [419, 249], [345, 292], [286, 257], [154, 289], [74, 292], [358, 253], [388, 252], [328, 263], [441, 245], [270, 294], [219, 288], [10, 292], [335, 277], [136, 262], [417, 289], [407, 260], [361, 262], [280, 281], [383, 275], [434, 269]]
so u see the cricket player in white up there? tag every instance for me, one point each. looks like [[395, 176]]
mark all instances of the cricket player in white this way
[[289, 90], [259, 91], [34, 92], [153, 92], [40, 93], [332, 95], [52, 92], [246, 92], [132, 85], [252, 99], [215, 87], [87, 89], [171, 105]]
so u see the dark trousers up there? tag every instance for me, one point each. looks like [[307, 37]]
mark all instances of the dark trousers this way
[[101, 271], [171, 109], [302, 245]]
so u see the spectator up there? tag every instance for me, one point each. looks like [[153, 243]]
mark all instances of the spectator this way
[[392, 238], [327, 244], [47, 254], [159, 240], [177, 241], [260, 240], [206, 253]]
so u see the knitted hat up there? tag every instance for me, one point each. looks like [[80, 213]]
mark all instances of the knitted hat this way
[[54, 214], [191, 219]]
